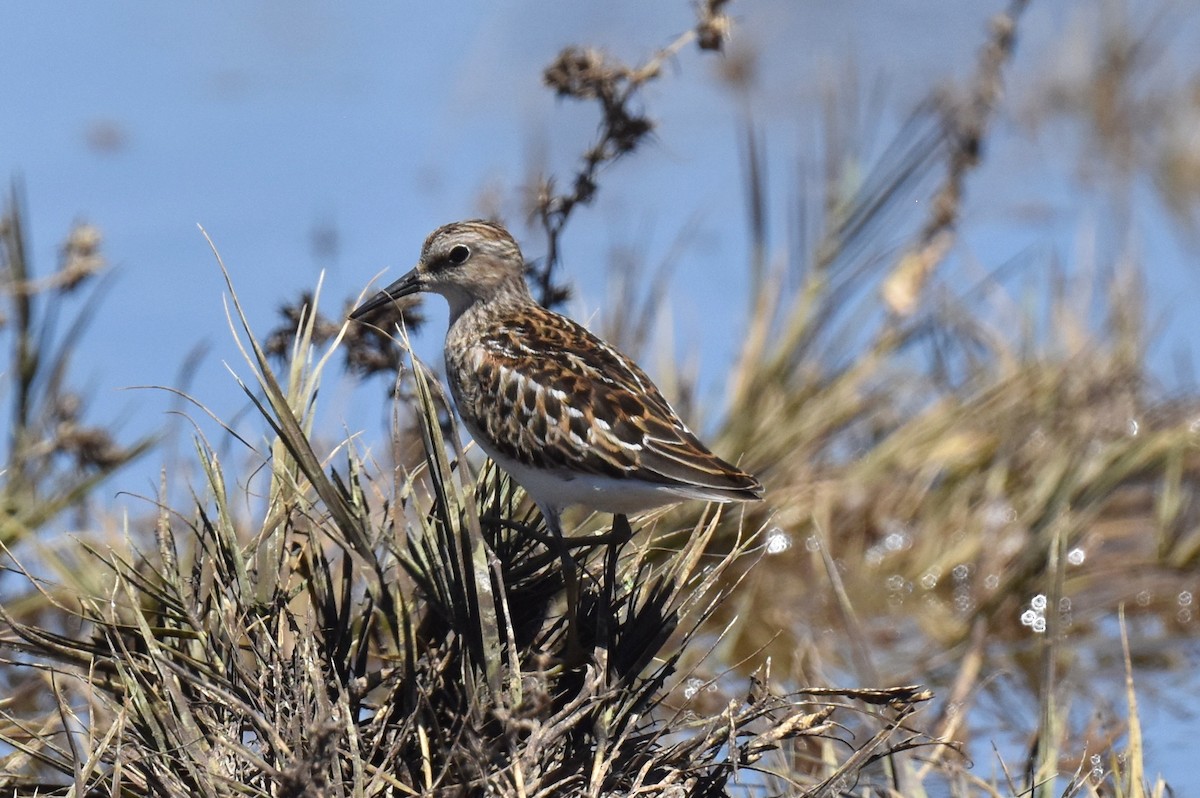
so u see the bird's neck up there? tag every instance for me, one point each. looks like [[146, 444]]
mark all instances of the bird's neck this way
[[461, 303], [473, 308]]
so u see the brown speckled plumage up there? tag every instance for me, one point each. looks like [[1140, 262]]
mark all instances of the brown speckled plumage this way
[[546, 392]]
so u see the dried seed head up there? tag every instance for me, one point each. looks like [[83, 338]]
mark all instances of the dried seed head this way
[[80, 257]]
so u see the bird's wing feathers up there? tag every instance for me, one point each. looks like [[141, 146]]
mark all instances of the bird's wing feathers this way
[[572, 402]]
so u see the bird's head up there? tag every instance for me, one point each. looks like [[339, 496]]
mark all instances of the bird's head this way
[[466, 262]]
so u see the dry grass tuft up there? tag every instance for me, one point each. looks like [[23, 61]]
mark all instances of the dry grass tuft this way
[[324, 653]]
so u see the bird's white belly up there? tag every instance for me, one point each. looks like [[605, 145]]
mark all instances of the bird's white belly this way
[[559, 489], [553, 490]]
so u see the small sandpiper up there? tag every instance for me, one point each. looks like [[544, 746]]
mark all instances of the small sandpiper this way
[[571, 419]]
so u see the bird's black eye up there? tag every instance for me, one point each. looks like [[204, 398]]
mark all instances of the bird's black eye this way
[[458, 255]]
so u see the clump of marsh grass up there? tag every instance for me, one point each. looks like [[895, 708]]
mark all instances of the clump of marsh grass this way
[[355, 641]]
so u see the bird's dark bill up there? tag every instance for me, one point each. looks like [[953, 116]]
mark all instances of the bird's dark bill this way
[[406, 285]]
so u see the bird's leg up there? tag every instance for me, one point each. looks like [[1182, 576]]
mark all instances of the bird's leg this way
[[549, 541], [574, 653], [620, 535]]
